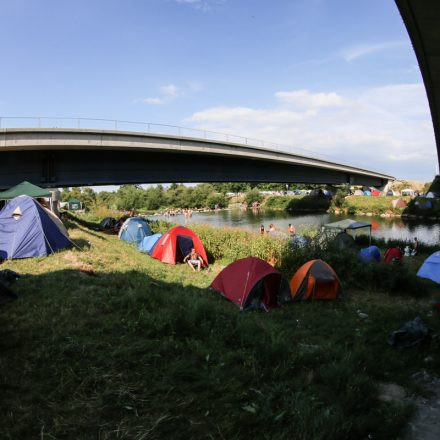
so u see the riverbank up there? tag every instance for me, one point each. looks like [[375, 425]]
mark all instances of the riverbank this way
[[382, 206], [107, 342]]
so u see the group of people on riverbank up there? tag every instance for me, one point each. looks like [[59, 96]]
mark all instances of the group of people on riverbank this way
[[187, 213], [291, 230]]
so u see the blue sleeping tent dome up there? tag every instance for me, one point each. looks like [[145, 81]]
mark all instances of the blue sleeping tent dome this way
[[370, 254], [134, 230], [431, 268], [149, 243], [26, 230]]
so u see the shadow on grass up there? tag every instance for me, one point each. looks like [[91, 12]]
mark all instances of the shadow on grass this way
[[310, 203], [81, 244], [126, 353]]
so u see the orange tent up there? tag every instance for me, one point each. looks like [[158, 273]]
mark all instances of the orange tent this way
[[315, 280]]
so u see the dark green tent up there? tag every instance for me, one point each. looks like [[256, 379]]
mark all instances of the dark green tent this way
[[24, 189], [74, 204]]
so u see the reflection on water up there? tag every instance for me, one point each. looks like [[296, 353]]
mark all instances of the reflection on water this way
[[394, 228]]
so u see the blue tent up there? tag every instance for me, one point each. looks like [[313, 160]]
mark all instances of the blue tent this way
[[431, 268], [149, 243], [134, 230], [26, 230], [370, 254]]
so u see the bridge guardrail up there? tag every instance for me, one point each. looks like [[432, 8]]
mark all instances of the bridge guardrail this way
[[154, 128]]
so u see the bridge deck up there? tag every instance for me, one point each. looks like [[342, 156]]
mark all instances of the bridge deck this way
[[78, 157]]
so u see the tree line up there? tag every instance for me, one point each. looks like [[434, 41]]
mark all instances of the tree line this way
[[204, 195]]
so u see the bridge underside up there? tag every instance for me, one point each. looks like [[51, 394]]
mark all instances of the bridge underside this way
[[422, 18], [62, 168]]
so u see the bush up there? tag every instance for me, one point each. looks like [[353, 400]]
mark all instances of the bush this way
[[216, 200], [309, 203], [253, 196], [273, 202]]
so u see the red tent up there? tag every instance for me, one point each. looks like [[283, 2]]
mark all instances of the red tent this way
[[251, 283], [392, 254], [175, 244]]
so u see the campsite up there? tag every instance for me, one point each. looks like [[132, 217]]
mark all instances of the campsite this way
[[105, 341]]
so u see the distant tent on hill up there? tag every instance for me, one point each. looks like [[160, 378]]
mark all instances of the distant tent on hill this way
[[358, 192], [176, 243], [430, 268], [315, 280], [252, 284], [27, 230], [74, 204], [370, 254], [149, 243], [408, 192], [134, 230]]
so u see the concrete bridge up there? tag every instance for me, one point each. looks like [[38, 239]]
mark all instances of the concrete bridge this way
[[422, 18], [79, 157]]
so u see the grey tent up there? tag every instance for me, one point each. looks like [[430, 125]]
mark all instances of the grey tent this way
[[347, 225], [344, 241]]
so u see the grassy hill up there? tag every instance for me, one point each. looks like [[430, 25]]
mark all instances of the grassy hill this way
[[105, 342]]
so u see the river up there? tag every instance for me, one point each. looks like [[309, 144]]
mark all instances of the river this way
[[390, 228]]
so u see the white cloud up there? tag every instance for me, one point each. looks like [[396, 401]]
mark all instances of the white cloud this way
[[202, 5], [304, 98], [385, 128], [353, 52], [168, 93]]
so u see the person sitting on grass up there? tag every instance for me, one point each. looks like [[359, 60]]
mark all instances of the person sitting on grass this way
[[415, 248], [194, 260]]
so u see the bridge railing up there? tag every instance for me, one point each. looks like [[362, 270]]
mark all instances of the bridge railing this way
[[154, 128]]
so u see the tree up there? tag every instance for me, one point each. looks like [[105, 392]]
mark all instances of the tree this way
[[253, 196], [155, 198], [215, 200], [130, 197], [88, 197]]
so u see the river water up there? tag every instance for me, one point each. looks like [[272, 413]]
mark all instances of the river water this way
[[395, 228]]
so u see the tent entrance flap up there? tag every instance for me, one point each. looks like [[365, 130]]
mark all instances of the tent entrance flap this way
[[184, 246]]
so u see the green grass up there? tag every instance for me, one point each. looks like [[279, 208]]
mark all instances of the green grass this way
[[374, 205], [107, 343]]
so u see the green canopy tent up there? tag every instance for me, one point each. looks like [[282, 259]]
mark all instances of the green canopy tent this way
[[24, 189], [74, 204], [347, 225]]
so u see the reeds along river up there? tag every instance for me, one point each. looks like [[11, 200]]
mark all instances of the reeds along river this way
[[388, 228]]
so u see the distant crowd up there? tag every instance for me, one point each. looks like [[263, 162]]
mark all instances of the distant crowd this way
[[291, 230]]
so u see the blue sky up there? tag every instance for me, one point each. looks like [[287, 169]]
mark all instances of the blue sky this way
[[337, 77]]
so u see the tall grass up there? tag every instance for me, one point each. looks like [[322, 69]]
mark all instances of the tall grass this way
[[108, 343]]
